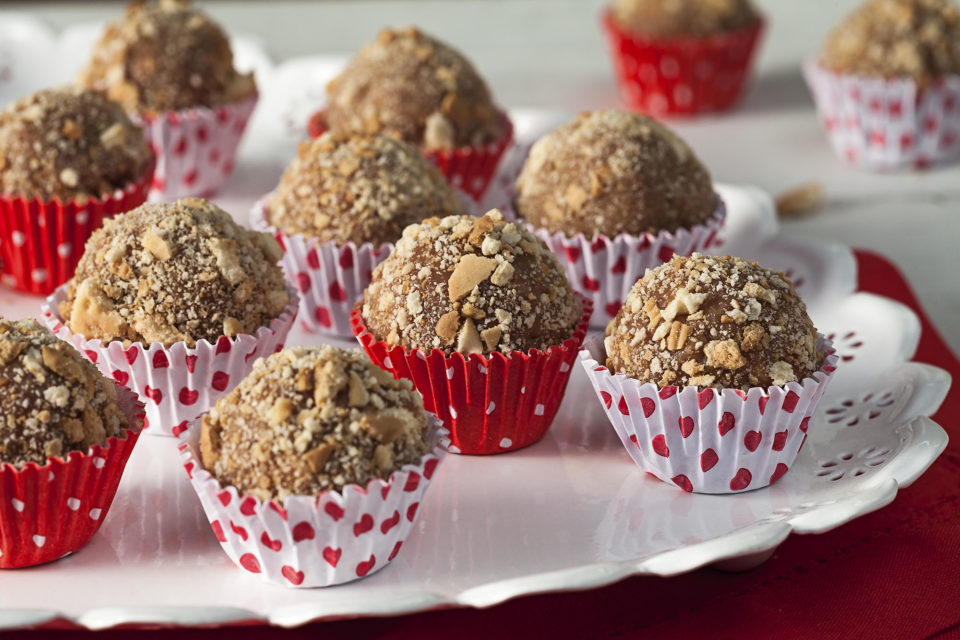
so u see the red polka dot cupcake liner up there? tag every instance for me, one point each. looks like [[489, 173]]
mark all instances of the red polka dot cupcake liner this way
[[887, 123], [48, 511], [681, 76], [196, 148], [330, 277], [176, 383], [490, 404], [469, 169], [604, 269], [308, 541], [710, 440], [42, 240]]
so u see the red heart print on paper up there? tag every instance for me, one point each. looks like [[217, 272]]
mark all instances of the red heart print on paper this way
[[741, 481], [249, 562], [91, 355], [337, 292], [384, 491], [154, 394], [726, 423], [304, 531], [790, 402], [240, 531], [752, 440], [332, 556], [249, 506], [622, 406], [805, 424], [413, 481], [121, 376], [188, 396], [218, 531], [303, 282], [412, 511], [295, 577], [390, 522], [763, 403], [665, 253], [221, 380], [191, 363], [224, 497], [396, 550], [322, 316], [667, 392], [590, 284], [704, 398], [280, 510], [429, 467], [686, 426], [334, 510], [648, 406], [573, 253], [708, 459], [223, 345], [683, 482], [160, 360], [363, 525], [131, 355], [180, 428], [659, 444], [778, 472], [364, 567], [273, 545], [620, 266], [607, 399], [346, 258], [780, 440], [313, 260]]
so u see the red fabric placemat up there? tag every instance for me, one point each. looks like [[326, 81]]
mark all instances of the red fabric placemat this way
[[894, 573]]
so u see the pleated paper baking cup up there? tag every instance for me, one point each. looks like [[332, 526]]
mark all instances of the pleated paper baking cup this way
[[681, 75], [711, 440], [196, 148], [176, 383], [887, 123], [330, 277], [42, 240], [490, 404], [309, 541], [469, 169], [49, 511], [604, 269]]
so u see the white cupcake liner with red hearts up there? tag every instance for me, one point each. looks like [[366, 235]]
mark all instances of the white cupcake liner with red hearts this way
[[710, 440], [330, 277], [309, 541], [196, 148], [604, 269], [887, 123], [176, 383]]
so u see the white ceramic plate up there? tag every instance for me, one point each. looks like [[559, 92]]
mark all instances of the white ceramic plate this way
[[570, 512]]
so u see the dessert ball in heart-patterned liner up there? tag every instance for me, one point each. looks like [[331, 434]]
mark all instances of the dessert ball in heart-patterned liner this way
[[66, 433], [478, 314], [887, 84], [409, 85], [711, 373], [614, 194], [682, 57], [176, 301], [339, 206], [68, 159], [313, 470], [171, 68]]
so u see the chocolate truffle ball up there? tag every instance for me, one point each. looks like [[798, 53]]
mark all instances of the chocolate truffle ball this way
[[165, 56], [612, 172], [358, 188], [683, 18], [311, 419], [69, 143], [413, 87], [470, 285], [919, 39], [176, 271], [713, 322], [52, 401]]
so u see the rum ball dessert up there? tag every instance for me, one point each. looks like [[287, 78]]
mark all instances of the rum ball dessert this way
[[179, 271], [308, 420], [612, 172], [358, 188], [659, 19], [470, 285], [52, 401], [413, 87], [165, 56], [717, 322], [69, 143]]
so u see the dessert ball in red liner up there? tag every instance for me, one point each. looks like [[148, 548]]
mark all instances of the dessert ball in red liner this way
[[710, 440], [176, 383], [681, 75], [604, 269], [330, 277], [49, 511], [469, 169], [309, 541], [887, 123], [490, 404], [42, 240], [196, 148]]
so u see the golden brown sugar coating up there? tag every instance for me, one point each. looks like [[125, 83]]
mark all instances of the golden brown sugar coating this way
[[165, 56], [358, 188], [678, 18], [307, 420], [413, 87], [919, 39], [470, 285], [713, 322], [613, 172], [52, 400], [69, 143], [179, 271]]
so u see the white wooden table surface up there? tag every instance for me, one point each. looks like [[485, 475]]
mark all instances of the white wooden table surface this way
[[550, 53]]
